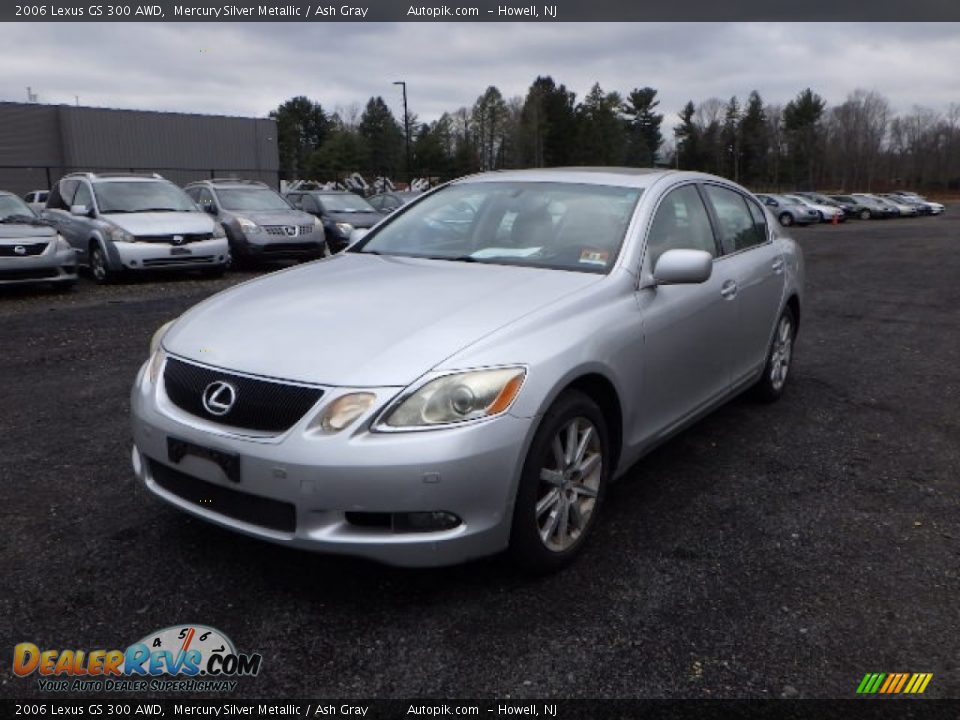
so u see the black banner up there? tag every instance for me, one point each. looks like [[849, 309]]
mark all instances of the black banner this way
[[865, 709], [477, 11]]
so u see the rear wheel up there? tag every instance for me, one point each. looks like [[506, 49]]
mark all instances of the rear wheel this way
[[786, 219], [563, 483], [771, 384], [864, 214]]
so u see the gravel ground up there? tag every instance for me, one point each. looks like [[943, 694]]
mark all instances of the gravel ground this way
[[768, 551]]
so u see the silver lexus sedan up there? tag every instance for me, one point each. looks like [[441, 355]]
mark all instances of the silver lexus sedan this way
[[470, 375]]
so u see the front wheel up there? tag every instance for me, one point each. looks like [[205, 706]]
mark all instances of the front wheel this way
[[563, 483], [864, 214], [786, 219], [770, 386], [101, 272]]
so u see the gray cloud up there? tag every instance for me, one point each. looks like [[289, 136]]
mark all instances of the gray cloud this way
[[248, 69]]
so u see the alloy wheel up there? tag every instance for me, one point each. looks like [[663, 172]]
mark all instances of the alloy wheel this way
[[782, 349], [569, 484]]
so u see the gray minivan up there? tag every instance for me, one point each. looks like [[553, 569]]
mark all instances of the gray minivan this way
[[122, 223]]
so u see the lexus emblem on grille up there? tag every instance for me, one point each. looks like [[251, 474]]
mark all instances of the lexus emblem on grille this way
[[20, 250], [178, 239], [219, 397], [290, 230]]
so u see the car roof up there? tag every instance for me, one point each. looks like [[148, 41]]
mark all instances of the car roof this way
[[618, 176]]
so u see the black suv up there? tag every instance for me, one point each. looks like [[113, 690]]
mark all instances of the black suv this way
[[340, 212]]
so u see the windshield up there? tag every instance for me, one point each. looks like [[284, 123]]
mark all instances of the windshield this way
[[251, 199], [11, 207], [142, 196], [564, 226], [347, 202]]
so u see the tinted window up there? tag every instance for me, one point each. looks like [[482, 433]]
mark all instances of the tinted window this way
[[251, 199], [205, 199], [63, 194], [737, 227], [345, 202], [83, 196], [681, 222]]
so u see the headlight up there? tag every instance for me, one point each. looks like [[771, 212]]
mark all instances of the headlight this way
[[158, 336], [317, 224], [248, 226], [343, 411], [156, 362], [459, 397], [345, 228], [218, 231], [118, 234]]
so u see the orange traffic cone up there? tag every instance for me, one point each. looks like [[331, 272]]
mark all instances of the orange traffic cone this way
[[836, 219]]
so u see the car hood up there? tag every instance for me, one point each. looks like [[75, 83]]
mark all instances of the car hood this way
[[274, 217], [357, 219], [161, 223], [363, 320], [19, 232]]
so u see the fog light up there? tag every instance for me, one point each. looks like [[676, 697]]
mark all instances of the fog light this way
[[424, 521]]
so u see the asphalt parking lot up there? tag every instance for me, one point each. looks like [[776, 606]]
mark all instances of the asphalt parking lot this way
[[769, 551]]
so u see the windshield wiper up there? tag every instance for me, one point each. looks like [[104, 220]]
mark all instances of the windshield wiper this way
[[451, 258]]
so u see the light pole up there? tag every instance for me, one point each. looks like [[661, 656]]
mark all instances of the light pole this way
[[406, 126]]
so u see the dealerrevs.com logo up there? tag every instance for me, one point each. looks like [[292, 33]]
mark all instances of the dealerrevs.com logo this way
[[181, 658]]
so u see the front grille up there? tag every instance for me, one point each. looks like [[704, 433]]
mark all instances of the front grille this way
[[28, 274], [291, 247], [253, 509], [179, 260], [262, 405], [288, 230], [28, 249], [184, 238]]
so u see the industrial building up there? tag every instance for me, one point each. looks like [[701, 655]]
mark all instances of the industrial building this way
[[41, 143]]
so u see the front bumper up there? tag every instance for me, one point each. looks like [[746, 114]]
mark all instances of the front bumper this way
[[160, 255], [53, 265], [264, 247], [324, 483]]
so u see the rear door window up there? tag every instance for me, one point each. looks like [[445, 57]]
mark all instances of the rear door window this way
[[736, 224]]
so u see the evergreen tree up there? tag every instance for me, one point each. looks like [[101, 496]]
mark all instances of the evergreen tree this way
[[643, 127]]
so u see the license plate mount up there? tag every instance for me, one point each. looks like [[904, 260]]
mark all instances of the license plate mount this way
[[229, 463]]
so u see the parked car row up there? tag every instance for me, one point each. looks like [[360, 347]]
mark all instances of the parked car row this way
[[124, 223], [805, 208]]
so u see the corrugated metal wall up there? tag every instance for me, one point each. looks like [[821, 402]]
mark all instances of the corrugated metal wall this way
[[37, 140]]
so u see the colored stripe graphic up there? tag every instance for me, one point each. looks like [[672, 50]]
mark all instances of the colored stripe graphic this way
[[894, 683]]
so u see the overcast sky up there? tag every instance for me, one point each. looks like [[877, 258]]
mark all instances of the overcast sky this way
[[248, 69]]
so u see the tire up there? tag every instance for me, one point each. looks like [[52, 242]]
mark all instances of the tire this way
[[547, 534], [776, 370], [786, 219], [102, 274], [864, 214]]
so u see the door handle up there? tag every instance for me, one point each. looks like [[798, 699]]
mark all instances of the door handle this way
[[778, 266], [729, 289]]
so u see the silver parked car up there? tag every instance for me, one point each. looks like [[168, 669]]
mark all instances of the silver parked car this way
[[31, 251], [473, 373], [125, 223], [789, 212]]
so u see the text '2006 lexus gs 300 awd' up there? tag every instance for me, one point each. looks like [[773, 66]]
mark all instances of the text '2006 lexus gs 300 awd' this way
[[471, 374]]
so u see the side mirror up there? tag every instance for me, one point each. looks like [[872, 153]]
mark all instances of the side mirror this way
[[683, 267], [81, 210]]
